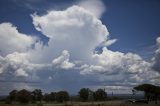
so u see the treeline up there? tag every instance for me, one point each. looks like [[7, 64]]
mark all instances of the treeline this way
[[151, 92], [25, 96]]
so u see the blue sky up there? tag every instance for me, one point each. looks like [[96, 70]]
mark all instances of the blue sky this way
[[124, 33], [134, 23]]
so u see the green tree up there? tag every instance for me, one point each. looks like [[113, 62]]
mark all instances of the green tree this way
[[23, 96], [46, 97], [147, 88], [84, 94], [52, 96], [150, 91], [49, 97], [62, 96], [100, 95], [37, 95], [13, 95]]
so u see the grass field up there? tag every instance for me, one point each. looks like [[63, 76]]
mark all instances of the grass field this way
[[106, 103]]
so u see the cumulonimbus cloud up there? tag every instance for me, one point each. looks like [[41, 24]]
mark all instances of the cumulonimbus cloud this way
[[96, 7], [74, 34], [74, 29]]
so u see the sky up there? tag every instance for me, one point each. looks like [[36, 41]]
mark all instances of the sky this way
[[70, 44]]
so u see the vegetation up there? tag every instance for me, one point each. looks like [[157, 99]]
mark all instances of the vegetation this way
[[13, 95], [88, 97], [24, 96], [49, 97], [62, 96], [150, 91], [84, 94], [36, 95], [100, 95]]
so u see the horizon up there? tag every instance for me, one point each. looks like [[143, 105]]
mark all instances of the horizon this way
[[57, 45]]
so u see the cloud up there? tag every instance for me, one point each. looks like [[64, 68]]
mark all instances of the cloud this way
[[18, 64], [74, 29], [156, 58], [122, 67], [12, 40], [96, 7], [110, 42], [14, 64], [63, 61], [21, 72], [74, 34]]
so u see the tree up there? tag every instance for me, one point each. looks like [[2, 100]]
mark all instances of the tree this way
[[37, 95], [100, 95], [49, 97], [13, 95], [90, 96], [23, 96], [147, 88], [52, 96], [149, 91], [84, 94], [46, 97], [62, 96]]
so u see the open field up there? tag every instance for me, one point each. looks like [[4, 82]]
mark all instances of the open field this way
[[106, 103]]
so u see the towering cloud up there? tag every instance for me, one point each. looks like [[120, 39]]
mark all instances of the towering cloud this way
[[156, 58], [74, 29], [95, 7]]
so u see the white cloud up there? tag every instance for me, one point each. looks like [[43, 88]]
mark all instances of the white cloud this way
[[96, 7], [20, 86], [122, 67], [17, 58], [12, 40], [109, 42], [73, 33], [14, 63], [63, 61], [50, 78], [156, 58], [21, 72], [74, 29], [18, 64]]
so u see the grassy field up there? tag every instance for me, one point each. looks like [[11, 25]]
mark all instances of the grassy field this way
[[106, 103]]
